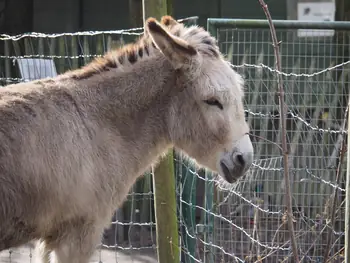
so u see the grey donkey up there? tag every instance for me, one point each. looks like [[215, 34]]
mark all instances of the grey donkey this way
[[72, 146]]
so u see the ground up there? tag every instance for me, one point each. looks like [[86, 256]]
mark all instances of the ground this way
[[24, 255]]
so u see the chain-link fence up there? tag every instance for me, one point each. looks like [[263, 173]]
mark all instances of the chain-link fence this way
[[245, 222], [249, 217]]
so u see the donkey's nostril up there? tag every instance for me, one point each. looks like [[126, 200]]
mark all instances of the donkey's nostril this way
[[240, 159]]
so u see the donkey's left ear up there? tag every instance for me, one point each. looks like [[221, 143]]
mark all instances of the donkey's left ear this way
[[177, 50], [168, 21]]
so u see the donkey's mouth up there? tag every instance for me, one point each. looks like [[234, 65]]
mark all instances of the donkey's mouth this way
[[228, 173]]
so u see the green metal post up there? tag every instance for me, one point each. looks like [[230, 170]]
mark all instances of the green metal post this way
[[208, 217], [188, 210], [347, 203]]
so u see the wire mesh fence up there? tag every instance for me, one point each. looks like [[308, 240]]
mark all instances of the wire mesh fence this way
[[244, 222], [250, 222]]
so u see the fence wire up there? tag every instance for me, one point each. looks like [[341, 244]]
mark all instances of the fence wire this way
[[250, 221], [244, 222]]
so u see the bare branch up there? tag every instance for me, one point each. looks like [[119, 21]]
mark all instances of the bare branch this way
[[283, 111]]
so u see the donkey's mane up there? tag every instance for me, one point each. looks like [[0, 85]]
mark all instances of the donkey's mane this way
[[144, 47], [128, 54]]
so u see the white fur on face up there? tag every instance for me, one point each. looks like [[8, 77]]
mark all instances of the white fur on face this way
[[214, 130], [219, 81]]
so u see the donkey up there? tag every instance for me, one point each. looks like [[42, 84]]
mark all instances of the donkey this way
[[72, 146]]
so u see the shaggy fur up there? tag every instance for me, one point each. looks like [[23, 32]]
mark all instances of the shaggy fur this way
[[72, 146]]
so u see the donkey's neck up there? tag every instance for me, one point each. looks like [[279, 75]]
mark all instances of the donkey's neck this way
[[132, 104]]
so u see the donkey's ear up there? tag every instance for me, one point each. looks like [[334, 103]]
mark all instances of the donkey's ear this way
[[177, 50], [168, 21]]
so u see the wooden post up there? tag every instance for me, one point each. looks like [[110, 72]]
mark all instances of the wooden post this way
[[164, 178], [165, 211], [154, 8], [135, 9]]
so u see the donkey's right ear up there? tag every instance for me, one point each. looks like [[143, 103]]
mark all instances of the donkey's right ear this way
[[175, 49]]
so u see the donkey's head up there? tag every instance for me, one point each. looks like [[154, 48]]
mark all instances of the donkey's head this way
[[206, 117]]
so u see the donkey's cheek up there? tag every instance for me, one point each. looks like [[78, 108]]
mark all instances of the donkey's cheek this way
[[221, 125], [223, 134], [219, 132]]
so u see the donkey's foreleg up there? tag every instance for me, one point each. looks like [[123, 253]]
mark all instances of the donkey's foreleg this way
[[42, 252], [78, 244]]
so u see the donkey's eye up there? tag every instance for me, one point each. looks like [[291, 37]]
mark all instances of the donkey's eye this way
[[214, 102]]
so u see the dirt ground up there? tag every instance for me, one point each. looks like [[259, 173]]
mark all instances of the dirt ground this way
[[25, 254]]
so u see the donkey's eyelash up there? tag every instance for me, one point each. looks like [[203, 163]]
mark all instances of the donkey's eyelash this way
[[214, 102]]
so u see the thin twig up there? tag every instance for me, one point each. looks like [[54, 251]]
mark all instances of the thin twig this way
[[336, 254], [313, 243], [334, 203], [266, 140], [283, 132]]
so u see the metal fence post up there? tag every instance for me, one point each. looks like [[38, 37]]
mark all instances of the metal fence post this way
[[187, 205], [347, 202]]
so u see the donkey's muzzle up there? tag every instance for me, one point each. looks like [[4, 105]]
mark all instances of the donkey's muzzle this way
[[236, 163]]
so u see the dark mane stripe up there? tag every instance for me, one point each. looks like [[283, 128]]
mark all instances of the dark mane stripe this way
[[112, 60]]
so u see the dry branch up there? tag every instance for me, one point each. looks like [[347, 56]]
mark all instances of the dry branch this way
[[282, 106]]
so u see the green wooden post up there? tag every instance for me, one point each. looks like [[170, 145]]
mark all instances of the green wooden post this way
[[165, 211], [164, 178], [154, 8]]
